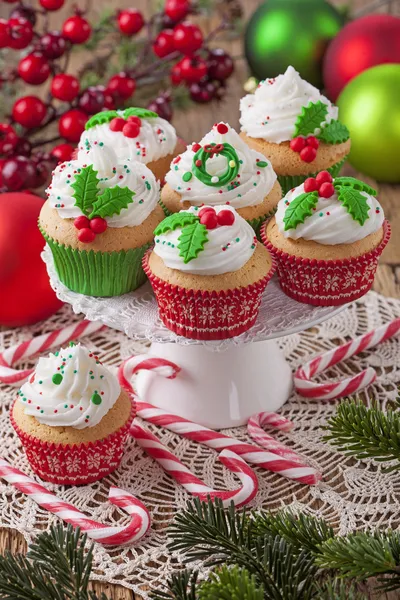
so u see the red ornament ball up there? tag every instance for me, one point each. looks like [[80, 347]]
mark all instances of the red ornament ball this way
[[29, 111], [63, 152], [308, 154], [98, 225], [65, 87], [187, 38], [326, 189], [164, 43], [220, 64], [226, 217], [21, 33], [34, 68], [311, 185], [130, 21], [176, 10], [5, 33], [52, 44], [122, 86], [76, 29], [192, 69], [25, 293], [364, 43], [52, 4], [72, 124]]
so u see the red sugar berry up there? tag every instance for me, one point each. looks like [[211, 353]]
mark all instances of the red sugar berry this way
[[313, 142], [226, 217], [326, 190], [86, 235], [131, 130], [117, 124], [297, 144], [196, 147], [209, 219], [81, 222], [135, 119], [323, 177], [310, 185], [98, 225], [206, 209], [308, 154], [222, 128]]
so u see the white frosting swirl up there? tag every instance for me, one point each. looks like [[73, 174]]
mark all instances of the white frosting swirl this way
[[70, 388], [157, 138], [110, 172], [330, 223], [249, 188], [227, 249], [271, 112]]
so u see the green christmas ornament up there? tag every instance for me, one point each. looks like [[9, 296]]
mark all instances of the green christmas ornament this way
[[369, 106], [291, 32]]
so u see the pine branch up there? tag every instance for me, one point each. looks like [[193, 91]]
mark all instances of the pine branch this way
[[337, 589], [19, 580], [231, 584], [181, 586], [366, 432]]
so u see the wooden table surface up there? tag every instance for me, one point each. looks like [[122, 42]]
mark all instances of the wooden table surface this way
[[192, 125]]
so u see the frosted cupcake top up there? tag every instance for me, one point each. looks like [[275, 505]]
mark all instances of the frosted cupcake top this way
[[286, 107], [221, 169], [205, 241], [135, 133], [70, 388], [341, 211]]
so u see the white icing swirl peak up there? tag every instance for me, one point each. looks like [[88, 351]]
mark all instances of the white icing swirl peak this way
[[249, 188], [272, 111], [227, 249], [157, 138], [110, 172], [70, 388], [330, 223]]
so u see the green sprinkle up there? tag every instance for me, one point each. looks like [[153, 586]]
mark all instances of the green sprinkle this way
[[40, 382], [56, 354], [237, 240], [65, 405], [101, 143], [187, 176], [101, 376], [75, 371], [96, 399], [42, 411], [261, 164], [92, 377], [72, 344], [57, 378], [147, 184], [321, 214]]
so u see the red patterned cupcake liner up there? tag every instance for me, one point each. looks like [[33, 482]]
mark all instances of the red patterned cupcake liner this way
[[326, 282], [203, 315], [77, 464]]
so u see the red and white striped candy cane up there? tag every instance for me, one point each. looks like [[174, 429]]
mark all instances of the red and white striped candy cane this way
[[39, 344], [111, 536], [330, 391], [255, 430], [174, 467]]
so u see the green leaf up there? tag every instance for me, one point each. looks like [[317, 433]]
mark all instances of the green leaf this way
[[112, 201], [334, 133], [85, 189], [102, 117], [355, 203], [300, 208], [142, 113], [311, 117], [174, 221], [354, 183], [191, 241]]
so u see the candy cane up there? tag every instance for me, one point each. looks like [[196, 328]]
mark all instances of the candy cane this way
[[111, 536], [330, 391], [255, 430], [37, 345], [174, 467]]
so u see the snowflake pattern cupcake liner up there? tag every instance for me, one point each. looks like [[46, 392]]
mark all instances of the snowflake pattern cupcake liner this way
[[288, 182], [326, 282]]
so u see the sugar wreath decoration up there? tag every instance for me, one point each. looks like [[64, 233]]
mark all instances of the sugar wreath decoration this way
[[206, 152]]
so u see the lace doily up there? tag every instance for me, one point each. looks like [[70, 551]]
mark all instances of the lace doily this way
[[354, 494]]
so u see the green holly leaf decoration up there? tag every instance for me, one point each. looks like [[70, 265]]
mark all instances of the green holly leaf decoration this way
[[101, 118], [175, 221], [355, 184], [355, 203], [112, 201], [300, 208], [334, 133], [191, 241], [85, 189], [311, 117], [142, 113]]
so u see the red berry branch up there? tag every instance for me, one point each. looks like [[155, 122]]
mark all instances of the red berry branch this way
[[172, 54]]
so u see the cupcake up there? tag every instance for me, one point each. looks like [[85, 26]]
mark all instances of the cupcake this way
[[135, 133], [99, 220], [288, 120], [72, 418], [222, 169], [327, 237], [208, 272]]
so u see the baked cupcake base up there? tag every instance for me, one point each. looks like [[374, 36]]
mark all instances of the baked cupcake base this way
[[161, 166]]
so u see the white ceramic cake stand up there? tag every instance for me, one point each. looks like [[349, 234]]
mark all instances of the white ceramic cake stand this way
[[221, 383]]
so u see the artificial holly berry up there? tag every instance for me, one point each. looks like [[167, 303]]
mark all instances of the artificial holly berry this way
[[98, 225], [175, 75], [81, 222], [24, 12], [86, 235], [62, 152], [18, 173], [202, 91], [72, 124], [122, 86], [65, 87], [10, 1], [176, 9], [312, 141], [52, 45], [209, 219], [326, 189], [131, 130], [117, 124], [34, 68], [29, 111], [42, 172], [164, 43], [76, 29], [130, 21], [220, 64], [91, 100], [5, 33], [297, 144], [162, 106], [226, 217], [323, 176], [308, 154], [23, 147], [310, 185], [8, 138], [21, 33], [52, 4], [187, 38], [192, 69]]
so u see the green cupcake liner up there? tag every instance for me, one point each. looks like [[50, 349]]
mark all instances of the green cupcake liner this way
[[167, 212], [102, 274], [289, 182], [256, 223]]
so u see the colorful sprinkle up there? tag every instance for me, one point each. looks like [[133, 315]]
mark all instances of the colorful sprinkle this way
[[57, 378]]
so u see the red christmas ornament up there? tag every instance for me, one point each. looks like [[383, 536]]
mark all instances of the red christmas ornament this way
[[192, 69], [220, 64], [364, 43], [63, 152], [52, 45], [98, 225], [226, 217], [176, 9], [164, 43], [187, 38], [65, 87], [20, 32], [122, 86], [29, 111], [77, 30], [34, 69], [71, 124], [52, 4], [130, 21], [25, 293], [5, 33]]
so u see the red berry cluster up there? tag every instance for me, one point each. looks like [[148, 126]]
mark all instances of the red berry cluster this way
[[130, 128], [306, 147], [88, 228], [322, 183], [211, 219]]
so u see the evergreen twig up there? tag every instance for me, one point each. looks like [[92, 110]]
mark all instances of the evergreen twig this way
[[180, 586], [231, 584]]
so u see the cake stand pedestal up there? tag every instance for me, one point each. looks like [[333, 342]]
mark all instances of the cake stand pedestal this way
[[220, 383]]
